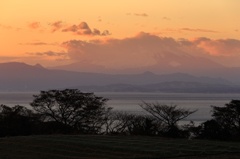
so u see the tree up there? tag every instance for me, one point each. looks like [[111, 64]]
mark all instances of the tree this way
[[211, 129], [131, 124], [81, 111], [16, 120], [169, 115], [228, 117]]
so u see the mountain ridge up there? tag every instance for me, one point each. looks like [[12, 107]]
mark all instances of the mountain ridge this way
[[164, 87], [197, 66], [20, 76]]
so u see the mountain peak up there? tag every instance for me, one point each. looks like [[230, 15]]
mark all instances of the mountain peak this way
[[38, 65], [148, 73]]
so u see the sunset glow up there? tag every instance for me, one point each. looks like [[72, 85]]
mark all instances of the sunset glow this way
[[113, 33]]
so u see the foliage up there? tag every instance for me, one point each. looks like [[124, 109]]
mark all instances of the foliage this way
[[225, 124], [16, 120], [228, 116], [81, 111], [211, 129]]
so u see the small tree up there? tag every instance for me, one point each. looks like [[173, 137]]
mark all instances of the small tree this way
[[211, 129], [81, 111], [169, 115], [131, 124]]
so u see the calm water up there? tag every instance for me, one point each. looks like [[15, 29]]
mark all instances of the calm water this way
[[130, 101]]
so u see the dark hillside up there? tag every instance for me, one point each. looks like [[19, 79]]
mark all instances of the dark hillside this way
[[112, 147]]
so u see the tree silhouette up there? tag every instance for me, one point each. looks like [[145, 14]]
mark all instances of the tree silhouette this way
[[229, 115], [16, 120], [228, 118], [81, 111], [169, 115]]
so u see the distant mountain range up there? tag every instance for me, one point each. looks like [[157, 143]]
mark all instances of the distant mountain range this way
[[166, 87], [22, 77], [168, 61], [165, 64]]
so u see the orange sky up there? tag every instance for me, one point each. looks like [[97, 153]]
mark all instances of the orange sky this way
[[43, 31]]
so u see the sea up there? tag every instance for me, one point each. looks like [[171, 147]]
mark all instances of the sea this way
[[129, 101]]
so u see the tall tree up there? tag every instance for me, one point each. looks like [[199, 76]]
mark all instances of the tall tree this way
[[71, 107]]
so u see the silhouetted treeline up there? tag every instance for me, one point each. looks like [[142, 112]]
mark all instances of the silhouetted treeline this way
[[70, 111]]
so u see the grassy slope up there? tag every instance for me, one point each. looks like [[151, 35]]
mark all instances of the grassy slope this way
[[86, 147]]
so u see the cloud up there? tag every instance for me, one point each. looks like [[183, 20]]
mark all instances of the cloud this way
[[56, 26], [166, 18], [218, 47], [8, 58], [34, 25], [37, 43], [141, 14], [138, 14], [5, 26], [48, 53], [84, 29], [236, 30], [146, 49], [223, 51], [180, 30], [9, 27], [140, 50], [198, 30], [18, 29]]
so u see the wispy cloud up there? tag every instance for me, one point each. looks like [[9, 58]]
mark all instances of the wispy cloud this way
[[180, 30], [166, 18], [48, 53], [34, 25], [8, 58], [141, 14], [6, 26], [56, 26], [138, 14], [198, 30], [38, 43]]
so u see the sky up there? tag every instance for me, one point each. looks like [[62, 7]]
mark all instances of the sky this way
[[118, 34]]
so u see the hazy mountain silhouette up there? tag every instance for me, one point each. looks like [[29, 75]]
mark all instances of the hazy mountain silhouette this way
[[22, 77], [174, 86], [81, 67], [196, 66], [229, 73], [38, 65], [167, 62]]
